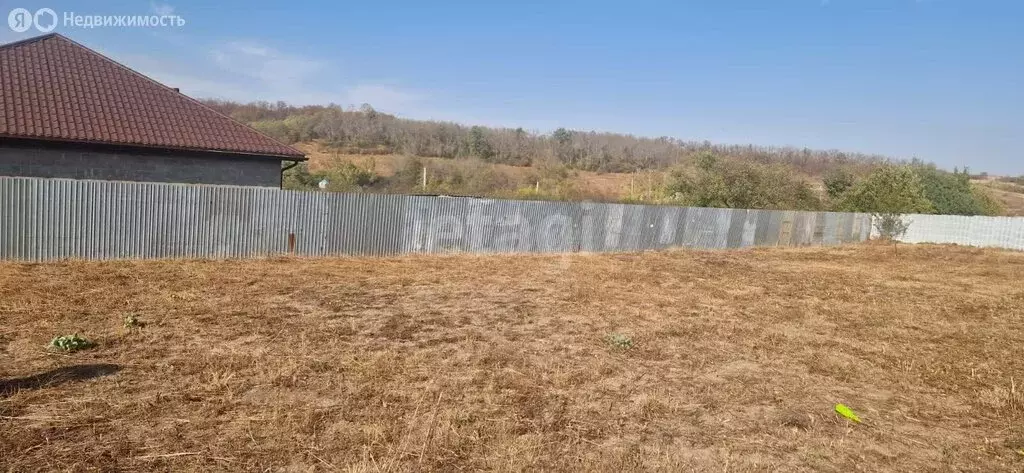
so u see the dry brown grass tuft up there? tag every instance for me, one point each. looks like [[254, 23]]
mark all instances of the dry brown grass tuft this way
[[503, 362]]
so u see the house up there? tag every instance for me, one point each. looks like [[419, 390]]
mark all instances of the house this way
[[67, 111]]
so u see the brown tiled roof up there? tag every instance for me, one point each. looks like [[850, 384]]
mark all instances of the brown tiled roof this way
[[52, 88]]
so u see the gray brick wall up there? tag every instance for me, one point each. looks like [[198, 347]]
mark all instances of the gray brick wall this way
[[121, 166]]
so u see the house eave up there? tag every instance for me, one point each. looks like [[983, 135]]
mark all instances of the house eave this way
[[143, 148]]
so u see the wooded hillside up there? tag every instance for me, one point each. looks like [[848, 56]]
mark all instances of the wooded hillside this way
[[418, 156], [366, 131]]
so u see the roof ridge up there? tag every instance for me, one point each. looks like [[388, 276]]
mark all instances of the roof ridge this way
[[33, 39]]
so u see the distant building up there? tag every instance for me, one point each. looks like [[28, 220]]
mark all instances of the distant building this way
[[67, 111]]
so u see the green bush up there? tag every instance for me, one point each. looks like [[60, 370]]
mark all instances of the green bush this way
[[346, 177], [837, 182], [733, 183], [952, 193], [891, 226], [987, 203], [71, 343], [299, 178], [349, 177], [888, 190], [916, 188]]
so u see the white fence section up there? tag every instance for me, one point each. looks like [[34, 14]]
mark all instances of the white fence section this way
[[994, 232]]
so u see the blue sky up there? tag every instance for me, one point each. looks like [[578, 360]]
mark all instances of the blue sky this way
[[942, 80]]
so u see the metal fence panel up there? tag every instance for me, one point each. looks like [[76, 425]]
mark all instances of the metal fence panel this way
[[996, 232], [737, 222], [830, 229], [592, 226], [750, 227], [47, 219]]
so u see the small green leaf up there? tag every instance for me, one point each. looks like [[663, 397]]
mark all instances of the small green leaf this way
[[847, 413]]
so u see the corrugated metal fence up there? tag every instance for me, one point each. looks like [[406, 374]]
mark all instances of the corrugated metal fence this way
[[995, 232], [46, 219]]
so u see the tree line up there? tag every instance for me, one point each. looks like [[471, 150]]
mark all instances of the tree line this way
[[364, 130]]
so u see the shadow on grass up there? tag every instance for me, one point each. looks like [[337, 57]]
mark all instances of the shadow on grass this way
[[55, 377]]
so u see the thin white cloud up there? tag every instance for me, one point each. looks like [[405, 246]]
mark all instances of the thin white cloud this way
[[173, 74], [246, 71], [162, 9], [264, 64], [249, 49], [383, 97]]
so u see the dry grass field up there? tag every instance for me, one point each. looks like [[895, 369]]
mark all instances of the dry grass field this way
[[726, 361]]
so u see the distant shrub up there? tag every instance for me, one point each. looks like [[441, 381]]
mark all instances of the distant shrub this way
[[987, 203], [532, 193], [552, 190], [887, 190], [951, 193], [299, 178], [408, 176], [71, 343], [275, 129], [732, 183], [891, 226], [915, 188], [343, 177], [349, 177], [837, 182]]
